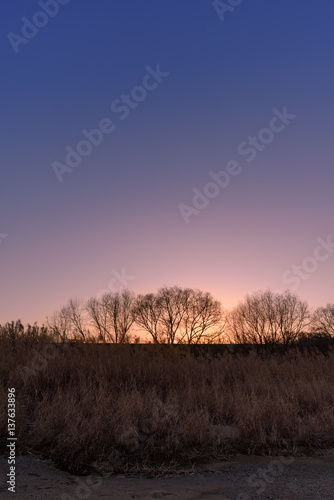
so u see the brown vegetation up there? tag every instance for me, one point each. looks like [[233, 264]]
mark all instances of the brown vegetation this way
[[129, 407]]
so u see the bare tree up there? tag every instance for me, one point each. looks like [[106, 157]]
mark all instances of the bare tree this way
[[69, 322], [203, 318], [174, 315], [99, 318], [268, 318], [112, 316], [60, 325], [147, 314], [293, 317], [75, 310], [323, 321], [172, 302], [119, 307], [246, 323]]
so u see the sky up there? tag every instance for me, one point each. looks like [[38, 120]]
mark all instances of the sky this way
[[207, 159]]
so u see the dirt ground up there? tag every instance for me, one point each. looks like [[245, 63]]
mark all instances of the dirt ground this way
[[245, 478]]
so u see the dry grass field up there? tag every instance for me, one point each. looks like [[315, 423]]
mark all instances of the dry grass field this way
[[140, 408]]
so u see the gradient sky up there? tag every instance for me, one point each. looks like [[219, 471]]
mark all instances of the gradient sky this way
[[119, 209]]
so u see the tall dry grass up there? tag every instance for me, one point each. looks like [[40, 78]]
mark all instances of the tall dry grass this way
[[120, 408]]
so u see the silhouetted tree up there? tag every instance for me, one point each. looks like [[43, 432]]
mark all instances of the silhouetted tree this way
[[174, 315], [112, 316], [147, 314], [69, 323], [75, 311], [99, 318], [59, 325], [269, 318], [323, 321], [202, 319]]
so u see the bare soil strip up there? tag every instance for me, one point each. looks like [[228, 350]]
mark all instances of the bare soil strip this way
[[245, 478]]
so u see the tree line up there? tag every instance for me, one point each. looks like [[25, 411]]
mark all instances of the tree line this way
[[175, 315]]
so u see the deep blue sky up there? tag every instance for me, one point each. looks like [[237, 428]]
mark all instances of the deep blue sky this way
[[120, 207]]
